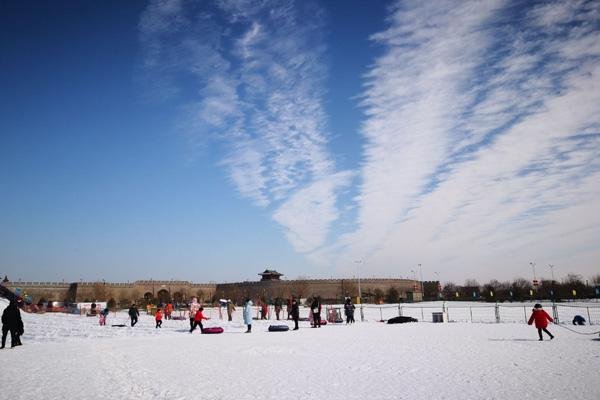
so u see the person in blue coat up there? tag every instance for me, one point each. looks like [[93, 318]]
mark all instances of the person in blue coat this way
[[578, 320], [248, 315]]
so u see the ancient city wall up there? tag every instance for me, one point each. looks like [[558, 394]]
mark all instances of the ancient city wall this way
[[181, 291]]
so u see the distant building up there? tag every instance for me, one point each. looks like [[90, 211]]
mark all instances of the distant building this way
[[270, 275]]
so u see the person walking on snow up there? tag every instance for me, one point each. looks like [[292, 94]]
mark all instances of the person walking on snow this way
[[11, 321], [278, 307], [158, 317], [134, 313], [295, 313], [248, 315], [230, 309], [349, 311], [194, 307], [168, 310], [541, 318], [316, 311], [103, 315], [264, 310], [198, 320]]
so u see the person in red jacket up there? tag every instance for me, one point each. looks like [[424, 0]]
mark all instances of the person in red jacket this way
[[198, 320], [158, 318], [541, 319]]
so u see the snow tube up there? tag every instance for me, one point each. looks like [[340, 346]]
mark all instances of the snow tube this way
[[118, 325], [303, 319], [278, 328], [401, 320], [214, 329]]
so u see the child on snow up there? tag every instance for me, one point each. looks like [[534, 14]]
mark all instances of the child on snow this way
[[541, 319], [158, 318], [102, 316], [198, 320]]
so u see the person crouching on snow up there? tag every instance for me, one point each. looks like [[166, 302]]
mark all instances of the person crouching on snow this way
[[541, 319], [198, 320], [158, 318]]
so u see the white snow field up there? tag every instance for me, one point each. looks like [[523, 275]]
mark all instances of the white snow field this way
[[72, 357]]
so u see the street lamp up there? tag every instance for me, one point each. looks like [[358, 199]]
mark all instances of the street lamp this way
[[535, 282], [553, 288], [422, 291], [552, 271], [358, 262]]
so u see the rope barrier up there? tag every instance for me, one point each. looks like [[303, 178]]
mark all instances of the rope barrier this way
[[579, 333]]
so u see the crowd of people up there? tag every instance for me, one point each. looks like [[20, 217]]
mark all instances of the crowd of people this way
[[12, 322]]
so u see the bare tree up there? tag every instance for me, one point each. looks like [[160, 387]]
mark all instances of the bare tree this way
[[573, 279]]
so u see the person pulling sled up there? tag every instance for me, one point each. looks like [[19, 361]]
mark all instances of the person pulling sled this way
[[541, 318]]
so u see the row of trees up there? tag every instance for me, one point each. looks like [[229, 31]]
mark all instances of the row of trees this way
[[571, 287]]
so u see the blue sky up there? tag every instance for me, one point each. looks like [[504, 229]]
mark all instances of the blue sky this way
[[209, 140]]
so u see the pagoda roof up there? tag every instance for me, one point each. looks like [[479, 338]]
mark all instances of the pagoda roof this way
[[270, 272]]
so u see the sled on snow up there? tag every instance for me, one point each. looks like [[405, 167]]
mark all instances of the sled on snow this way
[[278, 328], [401, 320], [212, 330]]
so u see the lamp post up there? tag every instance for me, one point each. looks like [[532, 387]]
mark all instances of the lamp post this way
[[533, 269], [535, 282], [358, 262], [422, 287], [552, 272]]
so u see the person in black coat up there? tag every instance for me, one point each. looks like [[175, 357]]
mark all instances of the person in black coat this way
[[11, 321], [134, 313], [295, 313], [349, 311], [316, 311]]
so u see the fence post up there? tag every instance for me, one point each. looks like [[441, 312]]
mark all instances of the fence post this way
[[525, 313], [471, 312], [589, 317], [497, 311], [380, 314], [555, 313], [399, 310], [422, 315]]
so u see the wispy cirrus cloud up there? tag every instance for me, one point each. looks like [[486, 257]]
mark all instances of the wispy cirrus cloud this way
[[257, 78], [482, 139]]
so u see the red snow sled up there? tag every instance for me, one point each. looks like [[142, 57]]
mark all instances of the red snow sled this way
[[278, 328], [214, 329], [323, 322]]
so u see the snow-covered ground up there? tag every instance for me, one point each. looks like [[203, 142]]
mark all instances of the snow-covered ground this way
[[72, 357]]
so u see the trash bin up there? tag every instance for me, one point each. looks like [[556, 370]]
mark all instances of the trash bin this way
[[437, 317]]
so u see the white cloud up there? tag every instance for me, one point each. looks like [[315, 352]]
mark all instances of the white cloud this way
[[309, 213], [473, 159], [260, 79]]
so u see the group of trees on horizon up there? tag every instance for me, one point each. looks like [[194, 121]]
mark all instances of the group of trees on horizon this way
[[573, 286]]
